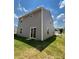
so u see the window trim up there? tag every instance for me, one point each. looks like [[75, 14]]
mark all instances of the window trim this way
[[30, 33]]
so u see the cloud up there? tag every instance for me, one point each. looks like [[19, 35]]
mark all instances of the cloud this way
[[16, 19], [59, 21], [15, 16], [25, 10], [15, 22], [52, 16], [16, 25], [61, 17], [56, 24], [40, 6], [21, 8], [61, 4]]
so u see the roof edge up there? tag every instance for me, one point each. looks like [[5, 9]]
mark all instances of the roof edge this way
[[31, 12]]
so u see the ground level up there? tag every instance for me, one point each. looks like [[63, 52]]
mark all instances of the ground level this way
[[52, 48]]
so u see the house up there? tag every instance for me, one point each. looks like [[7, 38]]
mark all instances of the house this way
[[37, 24], [57, 31]]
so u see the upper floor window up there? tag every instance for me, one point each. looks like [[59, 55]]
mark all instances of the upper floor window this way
[[21, 20], [30, 15], [21, 30]]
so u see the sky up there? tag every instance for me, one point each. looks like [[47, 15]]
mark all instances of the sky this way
[[56, 7]]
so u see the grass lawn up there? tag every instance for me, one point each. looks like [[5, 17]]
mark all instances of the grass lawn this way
[[52, 48]]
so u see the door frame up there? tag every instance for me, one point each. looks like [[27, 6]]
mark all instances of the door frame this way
[[30, 33]]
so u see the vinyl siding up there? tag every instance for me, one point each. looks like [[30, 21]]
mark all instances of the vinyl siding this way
[[32, 20], [47, 24]]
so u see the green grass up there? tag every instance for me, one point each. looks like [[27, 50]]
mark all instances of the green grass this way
[[52, 48]]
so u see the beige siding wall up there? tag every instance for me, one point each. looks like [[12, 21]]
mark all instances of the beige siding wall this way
[[32, 20], [47, 24]]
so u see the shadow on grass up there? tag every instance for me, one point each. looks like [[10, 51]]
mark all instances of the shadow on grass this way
[[40, 45]]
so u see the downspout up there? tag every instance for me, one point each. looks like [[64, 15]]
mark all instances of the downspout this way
[[41, 24]]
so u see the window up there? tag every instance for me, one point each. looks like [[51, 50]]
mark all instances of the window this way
[[48, 31], [20, 21], [30, 15], [21, 30]]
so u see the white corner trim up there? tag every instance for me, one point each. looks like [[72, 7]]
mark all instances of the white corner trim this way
[[41, 24]]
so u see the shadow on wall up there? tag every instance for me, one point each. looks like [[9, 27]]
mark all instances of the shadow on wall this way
[[39, 45]]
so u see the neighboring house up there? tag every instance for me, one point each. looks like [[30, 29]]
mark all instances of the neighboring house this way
[[57, 32], [37, 24]]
